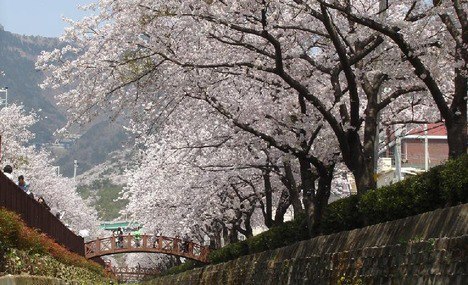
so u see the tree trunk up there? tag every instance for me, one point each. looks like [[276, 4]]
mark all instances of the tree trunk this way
[[364, 177], [215, 237], [283, 205], [290, 183], [321, 199], [248, 226], [225, 235], [456, 128], [247, 232], [457, 137], [233, 235], [316, 199], [268, 212], [308, 187], [361, 165]]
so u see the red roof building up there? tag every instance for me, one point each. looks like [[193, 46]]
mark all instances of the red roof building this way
[[412, 146]]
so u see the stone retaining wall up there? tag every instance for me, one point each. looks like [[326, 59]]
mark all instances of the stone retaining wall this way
[[425, 249]]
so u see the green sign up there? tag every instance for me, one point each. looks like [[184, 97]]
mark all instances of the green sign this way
[[126, 226]]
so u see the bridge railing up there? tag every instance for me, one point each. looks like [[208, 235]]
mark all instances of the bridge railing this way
[[125, 274], [146, 243], [36, 216], [135, 270]]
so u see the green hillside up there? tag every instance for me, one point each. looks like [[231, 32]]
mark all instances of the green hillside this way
[[17, 59], [105, 194], [18, 55]]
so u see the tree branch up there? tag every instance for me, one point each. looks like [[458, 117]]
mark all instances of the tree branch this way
[[397, 93]]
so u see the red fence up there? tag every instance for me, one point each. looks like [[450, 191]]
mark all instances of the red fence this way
[[36, 216]]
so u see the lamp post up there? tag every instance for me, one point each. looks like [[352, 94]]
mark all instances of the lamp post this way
[[3, 102], [75, 166]]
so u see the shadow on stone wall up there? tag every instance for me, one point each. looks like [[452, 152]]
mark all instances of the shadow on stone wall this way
[[425, 249]]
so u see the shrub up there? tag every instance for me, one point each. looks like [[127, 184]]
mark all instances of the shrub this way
[[341, 215], [20, 262], [279, 236], [14, 234], [275, 237], [387, 203], [441, 186], [31, 240], [229, 252], [188, 265], [454, 181], [10, 227]]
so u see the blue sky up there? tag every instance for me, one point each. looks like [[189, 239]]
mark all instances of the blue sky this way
[[39, 17]]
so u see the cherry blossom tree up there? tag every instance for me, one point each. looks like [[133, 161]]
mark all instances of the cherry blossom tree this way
[[161, 262], [15, 133], [307, 174], [312, 55], [434, 40], [300, 84], [59, 192], [211, 173]]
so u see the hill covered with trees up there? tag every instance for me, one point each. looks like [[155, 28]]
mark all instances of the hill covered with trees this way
[[18, 55]]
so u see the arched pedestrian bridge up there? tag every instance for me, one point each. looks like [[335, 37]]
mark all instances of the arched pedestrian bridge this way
[[133, 274], [146, 243]]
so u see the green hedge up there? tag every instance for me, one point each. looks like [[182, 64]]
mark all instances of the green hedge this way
[[342, 215], [454, 181], [188, 265], [441, 186], [276, 237]]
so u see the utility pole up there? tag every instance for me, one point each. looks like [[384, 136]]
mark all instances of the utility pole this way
[[383, 5], [398, 155], [426, 149], [4, 101], [75, 166]]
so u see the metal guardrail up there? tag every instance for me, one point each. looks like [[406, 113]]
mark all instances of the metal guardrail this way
[[36, 216]]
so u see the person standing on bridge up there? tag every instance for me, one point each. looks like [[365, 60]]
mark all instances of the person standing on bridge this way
[[119, 237], [186, 244], [176, 244], [137, 237], [156, 238]]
